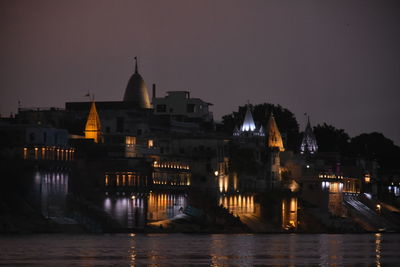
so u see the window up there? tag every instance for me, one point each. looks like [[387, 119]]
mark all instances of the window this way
[[150, 143], [190, 108]]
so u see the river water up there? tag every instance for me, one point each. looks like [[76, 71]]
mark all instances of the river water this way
[[200, 250]]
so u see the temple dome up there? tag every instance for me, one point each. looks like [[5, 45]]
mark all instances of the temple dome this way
[[136, 91]]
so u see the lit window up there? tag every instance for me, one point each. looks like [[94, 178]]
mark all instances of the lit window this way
[[150, 143]]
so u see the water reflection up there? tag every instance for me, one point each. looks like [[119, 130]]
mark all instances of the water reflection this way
[[289, 213], [240, 204], [378, 241], [165, 206], [132, 250], [330, 249], [201, 250], [49, 193], [128, 211], [137, 210]]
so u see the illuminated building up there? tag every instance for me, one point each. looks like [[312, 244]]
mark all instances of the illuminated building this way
[[37, 142], [274, 145], [171, 174], [289, 213], [93, 126], [274, 138], [309, 142], [248, 127], [135, 116]]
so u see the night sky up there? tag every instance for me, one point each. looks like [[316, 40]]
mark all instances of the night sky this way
[[339, 61]]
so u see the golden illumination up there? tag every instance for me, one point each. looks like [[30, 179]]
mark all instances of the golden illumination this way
[[130, 140], [150, 143], [25, 153], [92, 129], [289, 213], [274, 136], [378, 207], [367, 178], [240, 205]]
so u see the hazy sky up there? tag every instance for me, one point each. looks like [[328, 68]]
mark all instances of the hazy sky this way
[[339, 61]]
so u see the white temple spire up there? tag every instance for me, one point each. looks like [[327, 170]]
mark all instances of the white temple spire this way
[[248, 123]]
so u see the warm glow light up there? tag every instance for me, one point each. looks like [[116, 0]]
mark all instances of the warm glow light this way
[[92, 128], [378, 207], [150, 143]]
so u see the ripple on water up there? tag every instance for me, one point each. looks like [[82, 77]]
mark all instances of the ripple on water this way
[[214, 250]]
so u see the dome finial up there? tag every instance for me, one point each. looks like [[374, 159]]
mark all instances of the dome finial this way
[[136, 67]]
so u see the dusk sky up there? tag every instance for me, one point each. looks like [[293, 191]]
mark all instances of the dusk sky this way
[[339, 61]]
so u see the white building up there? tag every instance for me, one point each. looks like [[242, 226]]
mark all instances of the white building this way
[[180, 104]]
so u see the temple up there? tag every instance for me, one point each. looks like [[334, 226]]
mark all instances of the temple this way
[[136, 90], [142, 157], [248, 127], [93, 126], [274, 140], [309, 142]]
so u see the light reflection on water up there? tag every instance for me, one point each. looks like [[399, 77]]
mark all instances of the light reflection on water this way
[[240, 205], [203, 250], [136, 211], [49, 193]]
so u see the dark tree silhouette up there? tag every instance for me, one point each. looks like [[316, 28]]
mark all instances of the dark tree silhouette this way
[[330, 139], [285, 120], [375, 146]]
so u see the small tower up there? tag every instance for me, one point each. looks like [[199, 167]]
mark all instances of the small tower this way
[[93, 126], [274, 145], [309, 142], [274, 138]]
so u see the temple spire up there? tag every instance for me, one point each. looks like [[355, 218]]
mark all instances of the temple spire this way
[[93, 126], [136, 65], [309, 142], [274, 139], [248, 122]]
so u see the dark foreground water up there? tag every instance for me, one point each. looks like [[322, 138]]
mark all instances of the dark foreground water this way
[[205, 250]]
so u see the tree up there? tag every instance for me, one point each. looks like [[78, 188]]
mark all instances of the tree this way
[[375, 146], [330, 139], [285, 120]]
